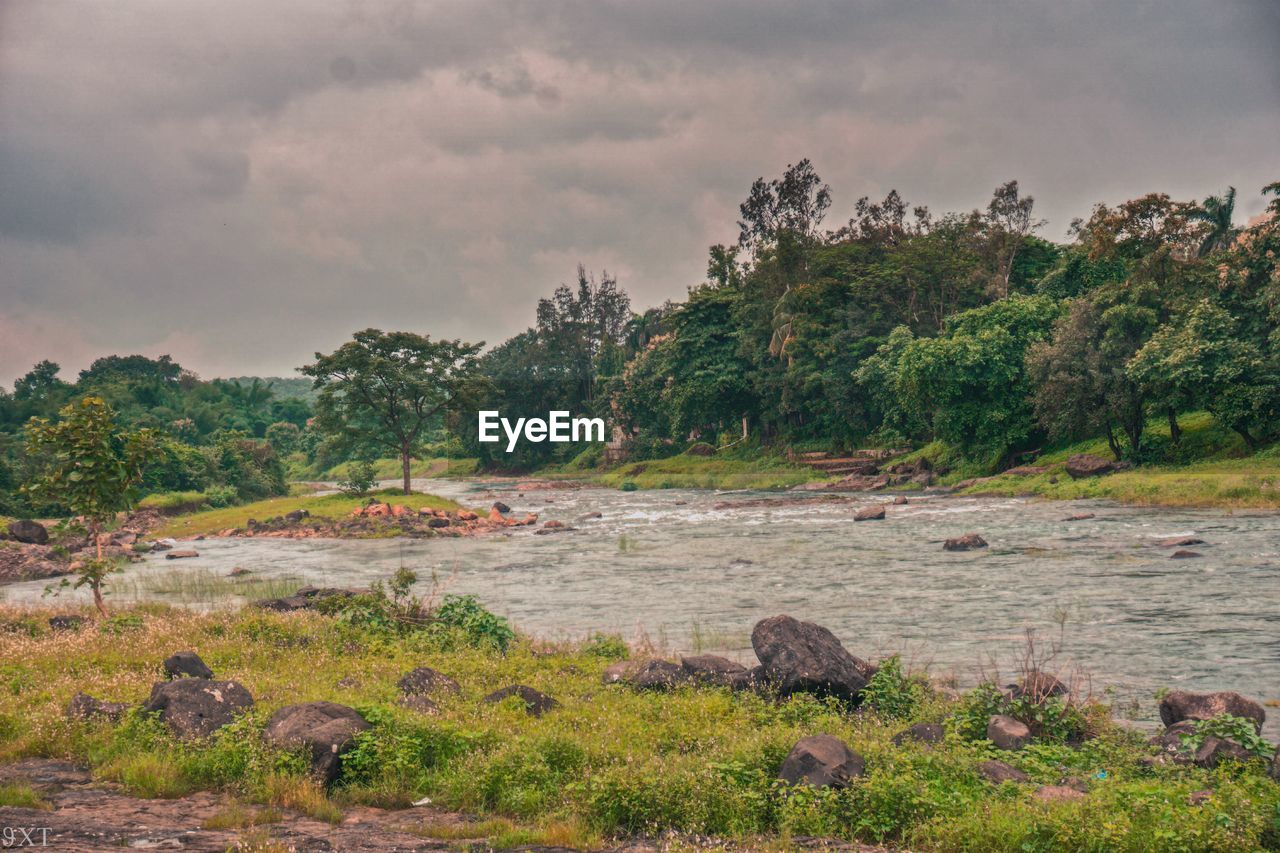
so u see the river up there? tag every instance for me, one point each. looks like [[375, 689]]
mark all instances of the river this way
[[679, 569]]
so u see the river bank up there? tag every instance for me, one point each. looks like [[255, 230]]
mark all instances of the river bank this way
[[602, 755]]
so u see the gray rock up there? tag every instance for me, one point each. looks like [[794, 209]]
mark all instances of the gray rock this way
[[714, 670], [869, 513], [1081, 465], [928, 733], [326, 729], [822, 761], [85, 707], [801, 657], [967, 542], [1007, 733], [197, 707], [186, 664], [1179, 542], [29, 532], [501, 507], [182, 555], [1170, 742], [1179, 705], [424, 680], [1183, 554], [657, 675], [1213, 751], [421, 704], [998, 772], [536, 703]]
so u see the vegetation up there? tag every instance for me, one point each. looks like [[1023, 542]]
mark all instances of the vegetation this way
[[609, 761]]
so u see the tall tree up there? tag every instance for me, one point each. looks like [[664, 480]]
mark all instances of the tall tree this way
[[389, 388], [1008, 222], [1216, 213]]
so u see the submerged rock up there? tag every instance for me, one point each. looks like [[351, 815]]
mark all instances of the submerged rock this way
[[869, 513], [967, 542], [1183, 554], [801, 657], [182, 555], [822, 761], [1179, 705], [197, 707], [326, 729]]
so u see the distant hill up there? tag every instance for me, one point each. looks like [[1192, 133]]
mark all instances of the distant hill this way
[[282, 387]]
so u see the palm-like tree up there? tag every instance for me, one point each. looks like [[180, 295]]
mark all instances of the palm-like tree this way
[[1216, 211]]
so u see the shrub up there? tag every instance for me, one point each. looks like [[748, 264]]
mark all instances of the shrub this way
[[360, 480], [607, 646], [1239, 730], [465, 615], [892, 693]]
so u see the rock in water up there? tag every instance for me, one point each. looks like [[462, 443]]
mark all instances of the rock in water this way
[[869, 513], [1184, 554], [29, 532], [801, 657], [535, 702], [326, 729], [182, 555], [967, 542], [197, 707], [424, 680], [1179, 705], [1007, 733], [1087, 465], [186, 664], [822, 761]]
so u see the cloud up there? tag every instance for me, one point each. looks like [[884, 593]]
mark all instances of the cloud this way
[[247, 183]]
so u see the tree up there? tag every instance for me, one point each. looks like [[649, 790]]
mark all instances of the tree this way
[[1007, 223], [1216, 213], [576, 327], [795, 203], [91, 468], [389, 388], [40, 383]]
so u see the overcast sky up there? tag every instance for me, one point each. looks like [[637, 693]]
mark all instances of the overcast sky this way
[[241, 183]]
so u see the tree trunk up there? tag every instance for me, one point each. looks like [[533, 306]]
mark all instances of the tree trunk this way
[[96, 585], [1249, 441], [404, 467], [1175, 431], [1111, 442]]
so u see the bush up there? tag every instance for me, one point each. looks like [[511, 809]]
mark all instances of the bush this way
[[360, 480], [892, 693], [478, 627], [1239, 730]]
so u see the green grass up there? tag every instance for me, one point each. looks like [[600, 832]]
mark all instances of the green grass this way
[[389, 469], [20, 795], [708, 472], [212, 521], [609, 762]]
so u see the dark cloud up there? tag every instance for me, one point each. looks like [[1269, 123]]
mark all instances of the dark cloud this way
[[242, 183]]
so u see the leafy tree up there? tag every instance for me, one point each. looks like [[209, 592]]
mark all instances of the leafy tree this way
[[576, 328], [40, 383], [1216, 213], [796, 204], [91, 467], [1202, 362], [1006, 226], [390, 388]]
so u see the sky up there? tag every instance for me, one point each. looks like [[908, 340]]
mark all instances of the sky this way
[[239, 184]]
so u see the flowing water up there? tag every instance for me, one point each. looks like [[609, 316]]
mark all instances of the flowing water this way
[[689, 573]]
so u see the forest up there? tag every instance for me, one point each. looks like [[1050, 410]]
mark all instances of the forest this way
[[897, 328]]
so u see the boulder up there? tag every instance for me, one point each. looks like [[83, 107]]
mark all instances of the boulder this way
[[1213, 751], [501, 507], [421, 704], [700, 449], [801, 657], [1179, 705], [283, 605], [1037, 686], [590, 515], [715, 670], [424, 680], [85, 707], [296, 516], [1058, 794], [900, 500], [657, 675], [1170, 743], [197, 707], [929, 733], [553, 524], [1082, 516], [620, 671], [1081, 465], [822, 761], [1007, 733], [967, 542], [186, 664], [326, 729], [29, 532], [467, 515], [869, 513], [182, 555], [998, 771], [435, 523], [1183, 554], [536, 703], [66, 623]]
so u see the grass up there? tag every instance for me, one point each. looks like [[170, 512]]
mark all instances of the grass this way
[[189, 586], [608, 763], [20, 795], [389, 469], [1209, 468], [329, 507], [708, 472]]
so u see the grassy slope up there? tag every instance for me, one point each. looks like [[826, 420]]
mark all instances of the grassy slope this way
[[1221, 474], [329, 506], [608, 761]]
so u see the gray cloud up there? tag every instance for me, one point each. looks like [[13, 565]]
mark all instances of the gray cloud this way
[[241, 183]]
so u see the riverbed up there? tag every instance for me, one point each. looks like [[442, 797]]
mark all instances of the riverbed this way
[[691, 570]]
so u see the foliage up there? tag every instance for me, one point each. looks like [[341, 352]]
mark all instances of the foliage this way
[[893, 693], [360, 479], [1239, 730], [465, 616]]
